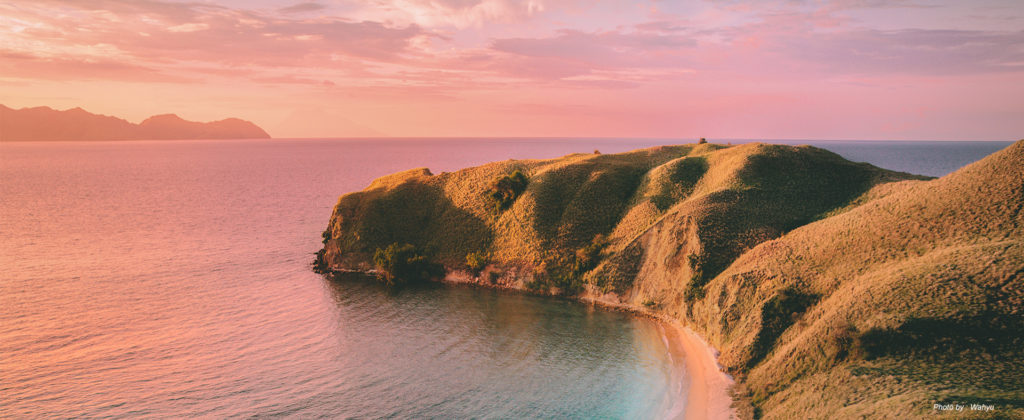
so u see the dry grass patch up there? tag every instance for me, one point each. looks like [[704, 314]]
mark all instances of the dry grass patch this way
[[832, 288]]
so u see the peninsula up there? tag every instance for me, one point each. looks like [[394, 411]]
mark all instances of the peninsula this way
[[76, 124], [833, 289]]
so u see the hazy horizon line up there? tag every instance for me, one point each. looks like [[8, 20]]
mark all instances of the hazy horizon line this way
[[683, 140]]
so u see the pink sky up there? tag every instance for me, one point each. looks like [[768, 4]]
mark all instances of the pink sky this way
[[839, 69]]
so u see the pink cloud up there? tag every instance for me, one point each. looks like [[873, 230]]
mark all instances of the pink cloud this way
[[19, 64], [451, 13], [293, 80], [166, 32], [422, 67], [302, 8], [912, 51]]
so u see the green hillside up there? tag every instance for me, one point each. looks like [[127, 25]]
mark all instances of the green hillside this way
[[915, 297], [832, 288]]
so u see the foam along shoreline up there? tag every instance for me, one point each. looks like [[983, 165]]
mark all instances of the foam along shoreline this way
[[707, 394]]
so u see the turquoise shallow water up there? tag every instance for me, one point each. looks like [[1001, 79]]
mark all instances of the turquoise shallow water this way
[[171, 279]]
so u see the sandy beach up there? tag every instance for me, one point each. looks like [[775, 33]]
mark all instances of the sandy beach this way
[[702, 385], [707, 393]]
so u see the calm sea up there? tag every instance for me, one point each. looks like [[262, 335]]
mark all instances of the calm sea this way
[[171, 279]]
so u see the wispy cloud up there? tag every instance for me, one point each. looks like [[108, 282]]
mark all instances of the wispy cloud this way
[[302, 8], [162, 34], [450, 13], [912, 51], [28, 66], [478, 56]]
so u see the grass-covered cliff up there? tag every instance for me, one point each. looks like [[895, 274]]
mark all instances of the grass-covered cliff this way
[[832, 288]]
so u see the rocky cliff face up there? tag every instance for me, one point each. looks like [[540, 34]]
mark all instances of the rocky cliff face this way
[[46, 124], [828, 285]]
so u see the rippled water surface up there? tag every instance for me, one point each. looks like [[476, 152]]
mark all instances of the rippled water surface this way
[[170, 279]]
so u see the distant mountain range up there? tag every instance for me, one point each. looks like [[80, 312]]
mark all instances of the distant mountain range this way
[[48, 124]]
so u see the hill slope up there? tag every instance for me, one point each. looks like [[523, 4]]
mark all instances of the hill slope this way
[[46, 124], [914, 297], [831, 287]]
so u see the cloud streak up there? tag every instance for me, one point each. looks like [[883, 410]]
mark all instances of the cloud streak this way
[[470, 56], [302, 8], [451, 13]]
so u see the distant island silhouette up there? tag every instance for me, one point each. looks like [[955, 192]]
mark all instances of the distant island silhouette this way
[[76, 124]]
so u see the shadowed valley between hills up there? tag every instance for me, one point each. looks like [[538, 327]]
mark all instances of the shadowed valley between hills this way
[[47, 124], [832, 288]]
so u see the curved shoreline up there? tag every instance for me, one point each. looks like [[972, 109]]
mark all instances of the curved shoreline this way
[[707, 395]]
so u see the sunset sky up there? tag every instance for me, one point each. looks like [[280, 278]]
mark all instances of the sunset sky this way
[[842, 69]]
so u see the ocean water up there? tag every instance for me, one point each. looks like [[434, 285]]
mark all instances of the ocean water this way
[[932, 158], [171, 279]]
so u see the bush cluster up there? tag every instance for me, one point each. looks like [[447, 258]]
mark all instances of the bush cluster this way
[[589, 256], [400, 264], [565, 272], [506, 189], [695, 289], [476, 261]]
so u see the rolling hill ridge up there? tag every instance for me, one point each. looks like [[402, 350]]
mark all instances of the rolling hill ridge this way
[[831, 288]]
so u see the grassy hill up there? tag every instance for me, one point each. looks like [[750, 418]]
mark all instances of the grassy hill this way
[[831, 287], [912, 297]]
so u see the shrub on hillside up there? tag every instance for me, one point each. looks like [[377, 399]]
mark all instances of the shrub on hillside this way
[[536, 285], [565, 272], [506, 189], [476, 261], [695, 289], [399, 264], [589, 256], [568, 283], [842, 342]]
